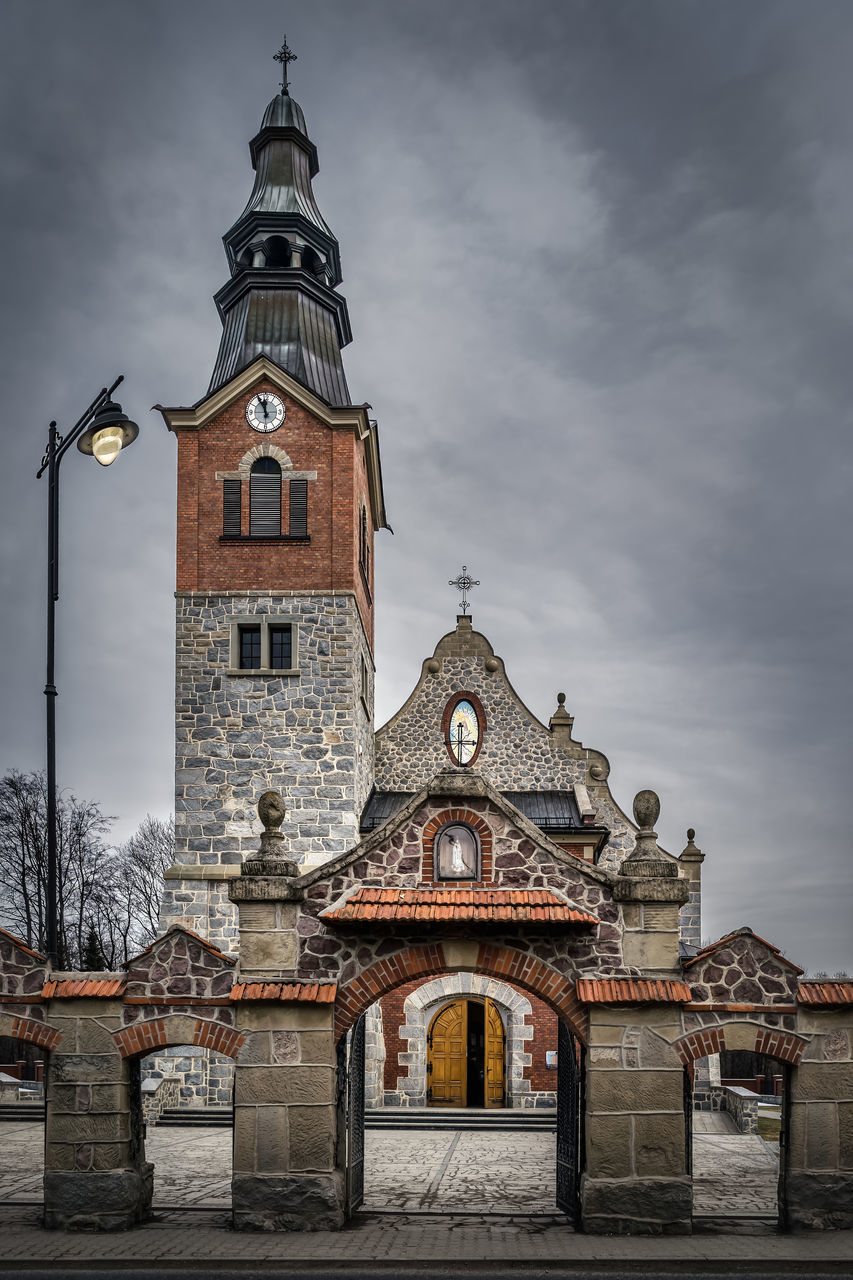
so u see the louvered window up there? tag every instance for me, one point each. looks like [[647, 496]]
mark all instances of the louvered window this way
[[231, 508], [299, 508], [265, 499]]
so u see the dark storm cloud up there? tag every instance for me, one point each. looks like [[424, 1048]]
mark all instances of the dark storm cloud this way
[[598, 261]]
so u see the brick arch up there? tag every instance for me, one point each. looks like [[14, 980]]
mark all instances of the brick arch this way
[[21, 1028], [471, 819], [519, 968], [163, 1033], [770, 1041], [265, 450]]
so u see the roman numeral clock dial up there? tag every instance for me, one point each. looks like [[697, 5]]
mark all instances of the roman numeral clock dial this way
[[265, 412]]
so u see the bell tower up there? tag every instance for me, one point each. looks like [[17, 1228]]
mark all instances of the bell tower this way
[[279, 497]]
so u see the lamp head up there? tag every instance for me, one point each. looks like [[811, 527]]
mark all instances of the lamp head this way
[[110, 432]]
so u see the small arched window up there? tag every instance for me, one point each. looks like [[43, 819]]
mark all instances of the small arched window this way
[[265, 499]]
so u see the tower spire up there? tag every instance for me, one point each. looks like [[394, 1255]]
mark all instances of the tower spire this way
[[285, 56], [281, 300]]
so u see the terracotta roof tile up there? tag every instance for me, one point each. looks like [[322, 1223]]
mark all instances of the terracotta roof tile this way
[[299, 992], [727, 938], [477, 906], [834, 991], [68, 988], [208, 946], [21, 945], [632, 991]]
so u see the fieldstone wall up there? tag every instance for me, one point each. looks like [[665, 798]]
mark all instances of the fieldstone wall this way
[[743, 969], [520, 858], [309, 736], [200, 1078], [519, 753]]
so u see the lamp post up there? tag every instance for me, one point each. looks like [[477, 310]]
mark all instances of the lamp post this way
[[102, 431]]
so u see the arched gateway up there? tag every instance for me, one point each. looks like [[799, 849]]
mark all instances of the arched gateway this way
[[317, 949]]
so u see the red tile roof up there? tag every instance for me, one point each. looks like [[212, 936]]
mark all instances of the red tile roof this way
[[441, 906], [632, 991], [834, 991], [102, 988], [727, 938], [22, 946], [179, 928], [301, 992]]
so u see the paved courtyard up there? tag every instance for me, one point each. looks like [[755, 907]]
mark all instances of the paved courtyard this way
[[429, 1171]]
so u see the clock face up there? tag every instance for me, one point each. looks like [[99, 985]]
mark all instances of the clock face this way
[[265, 412]]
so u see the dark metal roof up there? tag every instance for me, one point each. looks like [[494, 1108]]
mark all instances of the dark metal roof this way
[[281, 301], [381, 806], [296, 331], [548, 810]]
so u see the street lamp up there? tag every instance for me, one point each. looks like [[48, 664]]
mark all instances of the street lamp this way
[[102, 431]]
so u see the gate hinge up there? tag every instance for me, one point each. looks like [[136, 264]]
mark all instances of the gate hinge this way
[[429, 1068]]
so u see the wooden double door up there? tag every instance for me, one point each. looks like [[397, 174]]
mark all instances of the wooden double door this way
[[466, 1055]]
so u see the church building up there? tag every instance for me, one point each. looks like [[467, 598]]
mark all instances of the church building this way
[[280, 497], [450, 911]]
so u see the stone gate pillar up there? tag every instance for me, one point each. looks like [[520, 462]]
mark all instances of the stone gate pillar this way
[[817, 1191], [95, 1174], [284, 1176], [636, 1179]]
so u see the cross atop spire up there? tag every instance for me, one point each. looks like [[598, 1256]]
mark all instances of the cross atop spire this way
[[464, 583], [285, 56]]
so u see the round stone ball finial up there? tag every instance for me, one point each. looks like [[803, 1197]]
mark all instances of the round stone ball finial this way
[[561, 699], [646, 809], [272, 810], [691, 834]]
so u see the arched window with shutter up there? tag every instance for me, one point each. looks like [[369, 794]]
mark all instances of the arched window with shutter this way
[[265, 499]]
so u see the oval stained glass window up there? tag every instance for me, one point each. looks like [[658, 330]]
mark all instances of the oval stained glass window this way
[[463, 732]]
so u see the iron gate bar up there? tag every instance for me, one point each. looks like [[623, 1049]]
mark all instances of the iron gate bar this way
[[355, 1117], [570, 1079]]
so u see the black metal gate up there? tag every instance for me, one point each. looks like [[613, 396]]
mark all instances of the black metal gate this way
[[570, 1123], [688, 1119], [355, 1117]]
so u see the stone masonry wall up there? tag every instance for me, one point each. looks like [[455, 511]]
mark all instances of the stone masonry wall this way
[[518, 752], [309, 736]]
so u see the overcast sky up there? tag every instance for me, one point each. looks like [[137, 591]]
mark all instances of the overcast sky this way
[[598, 259]]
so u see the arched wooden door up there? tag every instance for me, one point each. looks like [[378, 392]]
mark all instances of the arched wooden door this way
[[465, 1056], [495, 1086], [447, 1056]]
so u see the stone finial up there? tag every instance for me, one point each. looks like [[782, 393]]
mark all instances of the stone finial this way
[[271, 811], [646, 851], [691, 852]]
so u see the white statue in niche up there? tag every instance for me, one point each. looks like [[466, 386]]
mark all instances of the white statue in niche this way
[[457, 854]]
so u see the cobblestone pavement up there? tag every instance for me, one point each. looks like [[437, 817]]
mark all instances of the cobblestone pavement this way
[[444, 1170]]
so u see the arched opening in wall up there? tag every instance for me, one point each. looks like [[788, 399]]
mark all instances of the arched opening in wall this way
[[186, 1101], [277, 251], [24, 1067], [404, 1148], [736, 1133]]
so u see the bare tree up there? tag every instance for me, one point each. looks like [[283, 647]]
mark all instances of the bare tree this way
[[108, 898], [81, 858]]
